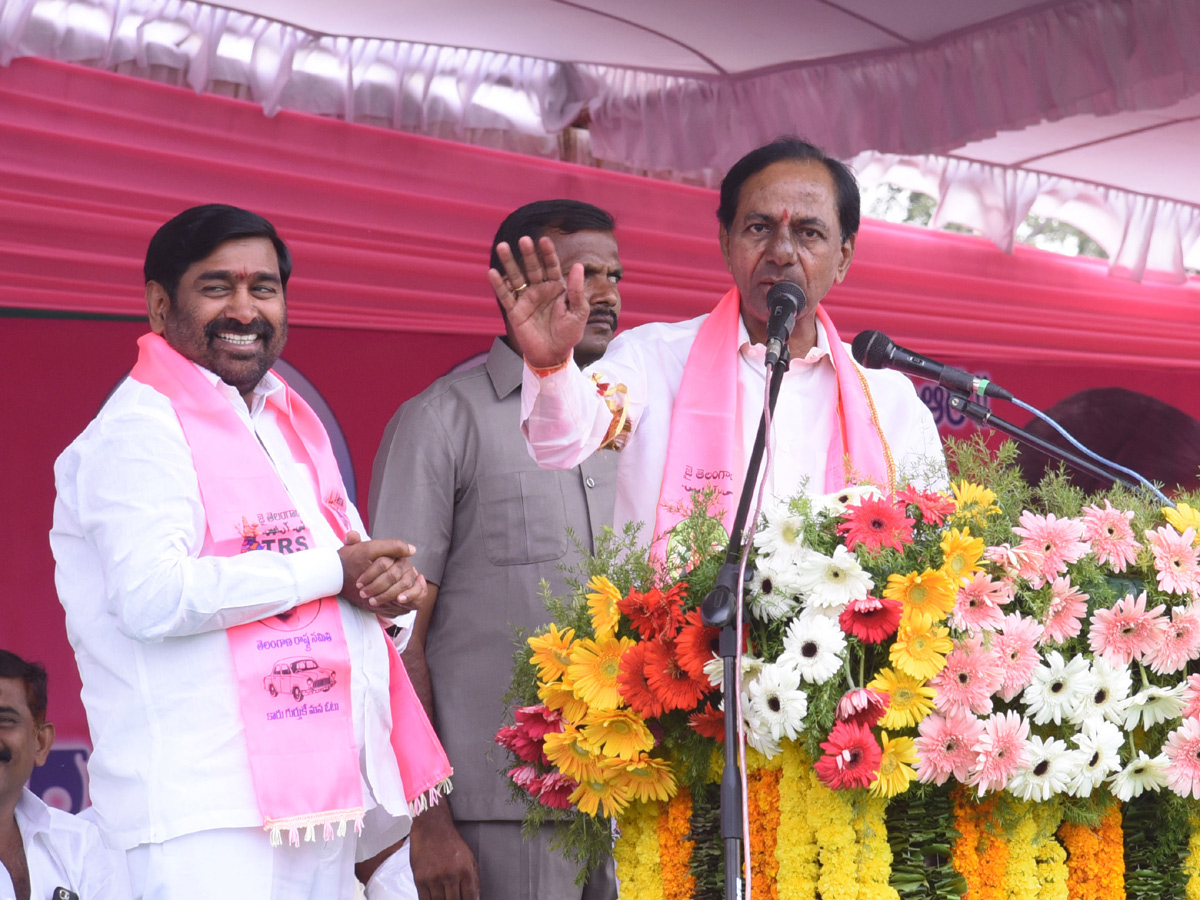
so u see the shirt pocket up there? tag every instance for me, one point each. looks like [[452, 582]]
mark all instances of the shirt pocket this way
[[523, 517]]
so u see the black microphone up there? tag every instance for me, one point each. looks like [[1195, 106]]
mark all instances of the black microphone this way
[[785, 300], [875, 350]]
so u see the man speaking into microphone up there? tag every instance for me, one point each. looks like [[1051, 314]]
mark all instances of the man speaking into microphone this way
[[682, 401]]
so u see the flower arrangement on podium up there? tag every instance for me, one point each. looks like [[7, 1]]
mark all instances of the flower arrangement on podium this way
[[992, 691]]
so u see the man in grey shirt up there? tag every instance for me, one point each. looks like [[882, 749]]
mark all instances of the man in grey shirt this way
[[454, 473]]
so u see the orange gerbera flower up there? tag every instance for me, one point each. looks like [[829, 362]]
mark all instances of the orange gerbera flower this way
[[646, 778], [696, 645], [709, 722], [633, 686], [930, 592], [552, 652], [570, 751], [673, 684], [593, 671], [602, 604], [655, 613]]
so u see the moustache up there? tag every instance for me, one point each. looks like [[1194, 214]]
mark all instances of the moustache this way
[[260, 327], [603, 315]]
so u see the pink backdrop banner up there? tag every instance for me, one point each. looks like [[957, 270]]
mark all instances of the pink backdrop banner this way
[[390, 233]]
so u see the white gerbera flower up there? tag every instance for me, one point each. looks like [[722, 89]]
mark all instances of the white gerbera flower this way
[[835, 504], [777, 699], [1143, 773], [1108, 688], [1098, 753], [781, 533], [1049, 770], [715, 670], [773, 595], [832, 582], [813, 645], [1057, 688], [1153, 705], [758, 733]]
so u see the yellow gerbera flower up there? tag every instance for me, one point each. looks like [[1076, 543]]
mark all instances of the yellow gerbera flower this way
[[602, 604], [594, 668], [617, 732], [552, 652], [600, 792], [570, 751], [560, 695], [645, 777], [961, 554], [909, 699], [931, 593], [1183, 517], [920, 647], [895, 766], [973, 502]]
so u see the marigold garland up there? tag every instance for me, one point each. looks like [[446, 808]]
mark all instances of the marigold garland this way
[[674, 848], [795, 847], [832, 817], [981, 852], [1110, 868], [1191, 865], [875, 853], [1050, 859], [636, 853], [762, 788], [1083, 860]]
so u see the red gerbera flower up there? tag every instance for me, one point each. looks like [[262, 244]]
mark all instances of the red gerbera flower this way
[[673, 684], [876, 522], [871, 619], [696, 645], [933, 507], [631, 682], [862, 706], [851, 758], [655, 613], [556, 790], [709, 722]]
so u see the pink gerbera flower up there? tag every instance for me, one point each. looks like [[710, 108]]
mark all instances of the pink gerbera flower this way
[[968, 680], [1050, 543], [1179, 642], [1191, 697], [851, 758], [862, 706], [1006, 557], [1182, 749], [556, 790], [1015, 647], [999, 751], [1127, 631], [946, 746], [871, 619], [977, 605], [1110, 535], [1175, 559], [876, 522], [527, 777], [525, 738], [1064, 618], [933, 507]]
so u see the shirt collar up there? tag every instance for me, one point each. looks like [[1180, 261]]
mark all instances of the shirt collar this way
[[756, 354], [270, 385], [33, 815], [505, 368]]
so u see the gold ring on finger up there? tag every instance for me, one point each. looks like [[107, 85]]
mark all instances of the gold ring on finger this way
[[517, 290]]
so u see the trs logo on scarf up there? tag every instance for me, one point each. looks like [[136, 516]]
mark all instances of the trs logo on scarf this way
[[277, 534], [337, 502]]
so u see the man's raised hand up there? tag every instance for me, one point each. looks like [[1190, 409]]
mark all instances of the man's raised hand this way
[[547, 313]]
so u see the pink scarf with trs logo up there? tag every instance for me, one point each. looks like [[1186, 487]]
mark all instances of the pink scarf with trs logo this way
[[293, 670]]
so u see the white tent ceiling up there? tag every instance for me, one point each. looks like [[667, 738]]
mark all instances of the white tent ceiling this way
[[1087, 110]]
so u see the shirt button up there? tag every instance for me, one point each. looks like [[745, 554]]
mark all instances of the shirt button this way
[[590, 481]]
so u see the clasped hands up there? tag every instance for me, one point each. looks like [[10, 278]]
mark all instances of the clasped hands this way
[[378, 577]]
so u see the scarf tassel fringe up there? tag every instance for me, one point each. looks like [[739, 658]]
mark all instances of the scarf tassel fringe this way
[[326, 821]]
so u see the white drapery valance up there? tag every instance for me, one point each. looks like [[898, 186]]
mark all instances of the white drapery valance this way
[[886, 111]]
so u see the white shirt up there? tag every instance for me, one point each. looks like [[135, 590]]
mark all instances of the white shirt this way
[[62, 850], [564, 419], [147, 617]]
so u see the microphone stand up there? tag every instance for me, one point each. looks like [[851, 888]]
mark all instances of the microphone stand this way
[[982, 415], [719, 609]]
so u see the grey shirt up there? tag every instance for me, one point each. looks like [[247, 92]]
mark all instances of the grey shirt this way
[[454, 477]]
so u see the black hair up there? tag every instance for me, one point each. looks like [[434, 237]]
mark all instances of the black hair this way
[[791, 147], [535, 219], [197, 232], [34, 676]]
